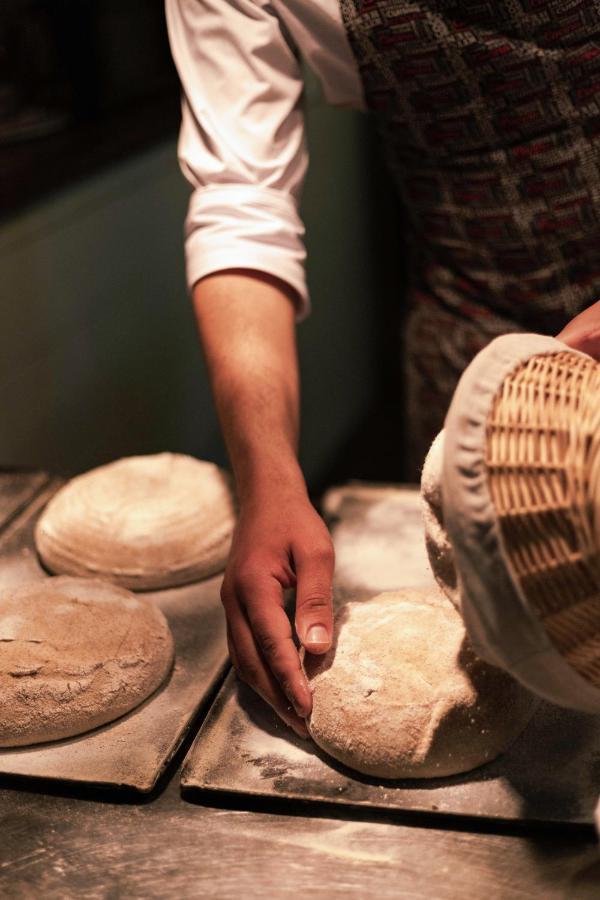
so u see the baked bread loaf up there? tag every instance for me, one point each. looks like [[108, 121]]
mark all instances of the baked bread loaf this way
[[144, 522], [76, 653]]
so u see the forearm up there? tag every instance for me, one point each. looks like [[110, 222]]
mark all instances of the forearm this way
[[246, 322]]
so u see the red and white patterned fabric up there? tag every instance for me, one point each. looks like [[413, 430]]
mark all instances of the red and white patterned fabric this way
[[489, 113]]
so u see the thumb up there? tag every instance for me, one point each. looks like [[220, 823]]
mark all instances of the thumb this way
[[314, 605]]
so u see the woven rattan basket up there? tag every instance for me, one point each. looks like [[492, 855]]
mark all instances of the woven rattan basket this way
[[543, 465], [520, 484]]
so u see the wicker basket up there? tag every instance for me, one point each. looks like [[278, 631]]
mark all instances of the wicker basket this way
[[543, 465]]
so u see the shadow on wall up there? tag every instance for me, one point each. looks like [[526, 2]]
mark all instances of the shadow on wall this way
[[98, 351]]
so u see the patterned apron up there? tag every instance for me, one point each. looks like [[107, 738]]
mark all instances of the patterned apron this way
[[489, 115]]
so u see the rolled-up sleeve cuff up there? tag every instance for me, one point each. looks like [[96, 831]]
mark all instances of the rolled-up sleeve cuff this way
[[244, 226]]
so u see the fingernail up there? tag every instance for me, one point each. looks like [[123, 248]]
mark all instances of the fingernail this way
[[300, 730], [317, 634]]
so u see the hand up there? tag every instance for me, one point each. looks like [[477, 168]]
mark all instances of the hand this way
[[583, 332], [280, 542]]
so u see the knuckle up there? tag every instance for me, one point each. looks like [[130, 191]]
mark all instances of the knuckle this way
[[248, 673], [245, 579], [315, 601], [268, 644], [252, 562], [318, 553], [324, 553]]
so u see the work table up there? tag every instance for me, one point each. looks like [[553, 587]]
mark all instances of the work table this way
[[96, 845], [57, 847]]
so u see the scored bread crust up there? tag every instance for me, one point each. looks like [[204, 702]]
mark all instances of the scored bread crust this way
[[144, 522]]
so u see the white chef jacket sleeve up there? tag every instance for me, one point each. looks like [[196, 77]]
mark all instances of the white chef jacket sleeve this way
[[242, 141]]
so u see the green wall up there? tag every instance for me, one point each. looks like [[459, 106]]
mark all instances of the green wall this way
[[98, 352]]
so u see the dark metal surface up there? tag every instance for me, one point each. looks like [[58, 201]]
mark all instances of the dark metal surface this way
[[550, 774], [133, 751], [379, 539], [59, 848]]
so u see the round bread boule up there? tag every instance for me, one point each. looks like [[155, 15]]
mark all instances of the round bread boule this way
[[75, 653], [144, 522], [401, 694], [437, 542]]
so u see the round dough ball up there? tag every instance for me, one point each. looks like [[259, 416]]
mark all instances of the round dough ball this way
[[401, 694], [437, 542], [144, 522], [76, 653]]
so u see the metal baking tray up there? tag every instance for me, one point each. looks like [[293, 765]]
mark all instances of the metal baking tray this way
[[551, 774], [132, 752]]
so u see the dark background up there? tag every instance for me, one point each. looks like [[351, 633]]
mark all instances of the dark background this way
[[98, 355], [82, 84]]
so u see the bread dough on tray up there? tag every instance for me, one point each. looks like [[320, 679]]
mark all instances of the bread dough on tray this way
[[144, 522], [76, 653], [437, 542], [402, 695]]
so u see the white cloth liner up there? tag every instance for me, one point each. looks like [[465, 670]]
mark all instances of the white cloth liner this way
[[502, 627]]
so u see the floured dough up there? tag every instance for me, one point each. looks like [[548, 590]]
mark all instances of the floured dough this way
[[401, 694], [145, 522], [437, 542], [75, 653]]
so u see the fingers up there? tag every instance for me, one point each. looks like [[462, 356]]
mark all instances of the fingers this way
[[262, 600], [260, 636], [233, 656], [314, 606], [277, 675], [583, 332]]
